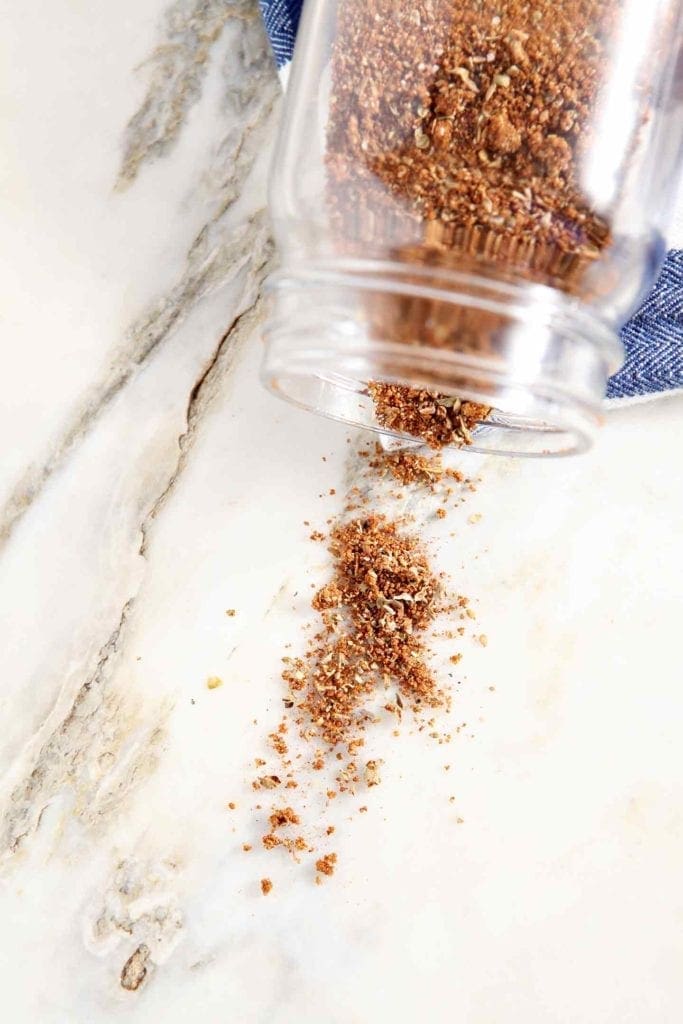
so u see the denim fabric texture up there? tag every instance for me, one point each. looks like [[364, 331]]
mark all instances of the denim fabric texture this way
[[653, 337], [282, 20]]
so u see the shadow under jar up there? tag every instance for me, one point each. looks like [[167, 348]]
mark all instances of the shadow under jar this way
[[468, 198]]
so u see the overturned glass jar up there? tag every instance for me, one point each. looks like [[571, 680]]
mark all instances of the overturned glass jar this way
[[469, 199]]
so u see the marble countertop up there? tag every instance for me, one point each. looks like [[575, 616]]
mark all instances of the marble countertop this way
[[148, 483]]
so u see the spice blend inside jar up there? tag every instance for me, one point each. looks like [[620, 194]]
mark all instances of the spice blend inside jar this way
[[462, 128], [469, 122], [470, 197]]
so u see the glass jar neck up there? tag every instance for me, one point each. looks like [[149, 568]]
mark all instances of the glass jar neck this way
[[538, 360]]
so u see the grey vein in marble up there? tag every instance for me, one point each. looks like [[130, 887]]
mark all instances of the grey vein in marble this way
[[202, 396], [224, 246], [139, 902], [178, 65], [100, 722]]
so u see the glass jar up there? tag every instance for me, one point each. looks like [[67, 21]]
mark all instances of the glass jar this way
[[469, 199]]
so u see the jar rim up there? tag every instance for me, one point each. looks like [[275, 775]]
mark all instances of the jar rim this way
[[545, 378]]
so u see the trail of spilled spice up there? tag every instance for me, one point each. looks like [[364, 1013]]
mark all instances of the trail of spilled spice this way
[[375, 611], [412, 468], [370, 656], [436, 419]]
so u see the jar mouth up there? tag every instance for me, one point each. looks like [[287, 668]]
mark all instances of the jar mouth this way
[[543, 371]]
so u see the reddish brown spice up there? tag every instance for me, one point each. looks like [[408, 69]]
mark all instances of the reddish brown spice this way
[[372, 773], [471, 121], [436, 419], [266, 782], [413, 468], [283, 816], [278, 744], [266, 886], [382, 599], [456, 138], [325, 865], [376, 613]]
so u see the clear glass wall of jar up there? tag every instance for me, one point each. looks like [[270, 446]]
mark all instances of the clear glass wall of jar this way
[[470, 197]]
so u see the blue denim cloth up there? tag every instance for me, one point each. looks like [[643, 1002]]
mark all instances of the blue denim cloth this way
[[653, 337], [282, 21]]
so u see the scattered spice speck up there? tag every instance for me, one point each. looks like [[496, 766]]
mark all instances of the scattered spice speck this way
[[372, 773], [282, 817], [266, 886], [326, 865], [213, 682]]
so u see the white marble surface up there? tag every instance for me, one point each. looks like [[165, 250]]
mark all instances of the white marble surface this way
[[147, 484]]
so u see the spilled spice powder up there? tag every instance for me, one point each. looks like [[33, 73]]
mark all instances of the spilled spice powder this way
[[425, 471], [376, 617], [382, 599], [325, 865], [435, 419], [266, 886], [372, 773], [409, 467], [277, 743], [282, 817], [267, 782]]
